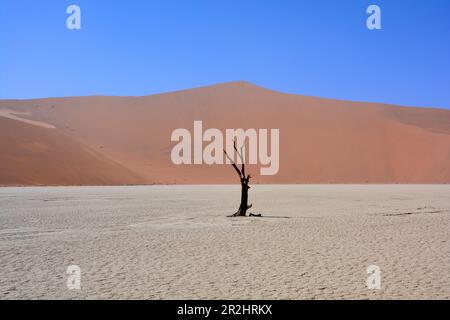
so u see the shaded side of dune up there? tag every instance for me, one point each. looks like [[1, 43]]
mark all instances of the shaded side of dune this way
[[36, 156]]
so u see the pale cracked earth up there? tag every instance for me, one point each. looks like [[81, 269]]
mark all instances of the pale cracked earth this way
[[170, 242]]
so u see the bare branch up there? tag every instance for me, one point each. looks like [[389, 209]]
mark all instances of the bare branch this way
[[243, 162], [240, 154], [234, 165], [228, 157]]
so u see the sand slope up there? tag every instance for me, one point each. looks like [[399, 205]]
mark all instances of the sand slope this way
[[32, 155], [321, 140]]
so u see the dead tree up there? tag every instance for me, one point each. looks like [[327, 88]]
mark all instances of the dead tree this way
[[242, 211]]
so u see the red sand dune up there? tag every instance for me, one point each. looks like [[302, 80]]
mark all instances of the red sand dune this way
[[126, 140]]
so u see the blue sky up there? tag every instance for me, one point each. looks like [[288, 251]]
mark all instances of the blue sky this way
[[320, 48]]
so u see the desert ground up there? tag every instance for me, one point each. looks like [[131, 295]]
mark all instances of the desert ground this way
[[170, 242]]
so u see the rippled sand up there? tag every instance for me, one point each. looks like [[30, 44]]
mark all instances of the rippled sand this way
[[169, 242]]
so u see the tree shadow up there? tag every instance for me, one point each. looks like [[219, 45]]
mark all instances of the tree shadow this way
[[251, 215]]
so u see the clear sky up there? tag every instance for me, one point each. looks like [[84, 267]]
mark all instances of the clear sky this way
[[317, 47]]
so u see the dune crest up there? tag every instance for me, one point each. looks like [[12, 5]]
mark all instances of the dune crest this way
[[14, 115]]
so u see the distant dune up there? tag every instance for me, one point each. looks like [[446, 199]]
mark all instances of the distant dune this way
[[103, 140]]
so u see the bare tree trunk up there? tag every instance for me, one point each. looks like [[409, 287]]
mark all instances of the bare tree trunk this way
[[243, 207], [244, 199]]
